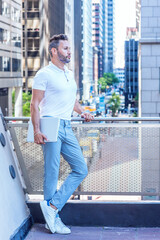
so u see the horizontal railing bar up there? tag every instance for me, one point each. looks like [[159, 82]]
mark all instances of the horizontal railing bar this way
[[118, 193], [105, 119], [106, 193]]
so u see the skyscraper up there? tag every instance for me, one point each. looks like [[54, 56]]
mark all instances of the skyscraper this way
[[105, 35], [111, 34], [131, 71], [87, 56], [138, 14], [99, 39], [78, 46], [97, 32], [83, 47], [41, 20], [10, 56], [120, 74]]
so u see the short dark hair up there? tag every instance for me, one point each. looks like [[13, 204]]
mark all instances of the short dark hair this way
[[54, 41]]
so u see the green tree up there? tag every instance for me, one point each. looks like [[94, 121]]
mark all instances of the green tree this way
[[13, 102], [26, 99], [108, 79], [114, 103], [136, 100]]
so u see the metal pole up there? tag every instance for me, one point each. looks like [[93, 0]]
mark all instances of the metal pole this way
[[104, 119], [26, 44]]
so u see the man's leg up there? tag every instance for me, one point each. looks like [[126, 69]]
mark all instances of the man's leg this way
[[72, 153], [51, 152]]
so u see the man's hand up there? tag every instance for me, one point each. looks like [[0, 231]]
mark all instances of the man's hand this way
[[39, 138], [87, 116]]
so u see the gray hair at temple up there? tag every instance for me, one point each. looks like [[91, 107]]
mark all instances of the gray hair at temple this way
[[54, 41]]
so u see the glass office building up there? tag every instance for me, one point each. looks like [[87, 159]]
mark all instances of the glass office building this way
[[131, 71], [10, 56], [97, 33], [83, 47], [87, 51], [111, 34], [105, 35]]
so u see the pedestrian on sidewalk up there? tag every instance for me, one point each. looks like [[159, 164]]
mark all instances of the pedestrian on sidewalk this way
[[54, 93]]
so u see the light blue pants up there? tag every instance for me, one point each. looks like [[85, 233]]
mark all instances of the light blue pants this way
[[68, 146]]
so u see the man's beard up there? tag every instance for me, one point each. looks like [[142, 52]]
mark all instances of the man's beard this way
[[63, 58]]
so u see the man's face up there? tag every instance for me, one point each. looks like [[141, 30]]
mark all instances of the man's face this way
[[63, 51]]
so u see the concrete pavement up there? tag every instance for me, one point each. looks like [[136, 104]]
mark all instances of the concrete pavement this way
[[38, 232]]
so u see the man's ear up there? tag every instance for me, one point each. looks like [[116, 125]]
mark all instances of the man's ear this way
[[54, 51]]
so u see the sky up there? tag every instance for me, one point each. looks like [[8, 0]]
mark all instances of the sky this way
[[125, 16]]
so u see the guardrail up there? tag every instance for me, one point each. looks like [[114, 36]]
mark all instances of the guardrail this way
[[105, 119], [123, 158]]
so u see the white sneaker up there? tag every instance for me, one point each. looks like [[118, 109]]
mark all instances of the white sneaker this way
[[49, 214], [59, 227]]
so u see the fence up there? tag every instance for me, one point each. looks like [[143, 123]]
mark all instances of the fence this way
[[122, 155]]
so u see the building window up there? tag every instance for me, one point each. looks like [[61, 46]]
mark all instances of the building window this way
[[30, 73], [5, 64], [6, 9], [30, 44], [29, 5], [16, 65], [15, 39], [32, 34], [33, 53], [32, 15], [15, 15], [36, 4], [36, 44], [4, 36]]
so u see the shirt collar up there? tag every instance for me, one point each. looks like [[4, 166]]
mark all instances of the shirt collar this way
[[57, 68]]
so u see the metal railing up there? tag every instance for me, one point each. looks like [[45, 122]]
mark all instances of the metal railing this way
[[123, 158], [97, 119]]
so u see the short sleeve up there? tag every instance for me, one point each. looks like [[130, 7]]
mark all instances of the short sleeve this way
[[40, 81]]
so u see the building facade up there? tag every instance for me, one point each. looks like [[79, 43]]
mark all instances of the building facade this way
[[138, 15], [10, 56], [105, 35], [78, 45], [87, 55], [131, 71], [149, 60], [99, 39], [149, 92], [41, 20], [83, 48], [111, 34], [97, 33], [120, 74]]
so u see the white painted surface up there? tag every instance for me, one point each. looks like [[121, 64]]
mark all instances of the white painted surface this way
[[13, 209]]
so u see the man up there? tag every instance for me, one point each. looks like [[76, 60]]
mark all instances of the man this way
[[54, 92]]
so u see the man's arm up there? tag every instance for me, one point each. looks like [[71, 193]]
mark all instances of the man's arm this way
[[37, 96], [79, 109]]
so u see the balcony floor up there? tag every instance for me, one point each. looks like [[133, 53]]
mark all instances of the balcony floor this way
[[38, 232]]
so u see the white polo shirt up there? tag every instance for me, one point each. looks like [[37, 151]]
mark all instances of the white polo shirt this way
[[60, 91]]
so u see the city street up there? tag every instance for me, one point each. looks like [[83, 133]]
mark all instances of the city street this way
[[115, 167]]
